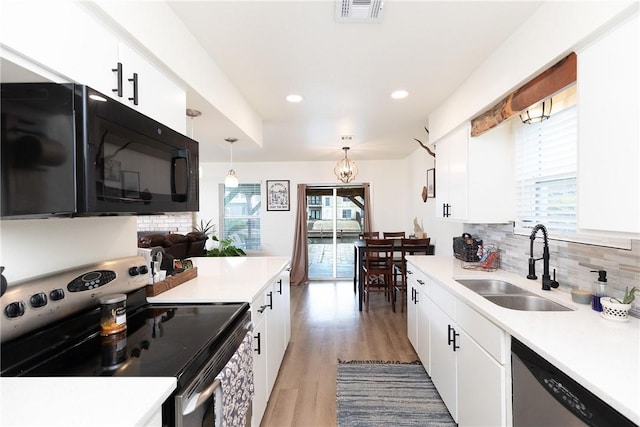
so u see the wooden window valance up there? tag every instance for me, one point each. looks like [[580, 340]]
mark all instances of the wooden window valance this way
[[541, 87]]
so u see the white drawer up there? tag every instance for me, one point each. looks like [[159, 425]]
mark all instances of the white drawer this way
[[443, 299], [483, 331]]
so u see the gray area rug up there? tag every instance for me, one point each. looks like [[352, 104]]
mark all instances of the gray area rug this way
[[374, 393]]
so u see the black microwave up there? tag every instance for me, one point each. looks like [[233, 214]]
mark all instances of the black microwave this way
[[68, 150]]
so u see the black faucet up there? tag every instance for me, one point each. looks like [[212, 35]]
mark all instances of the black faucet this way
[[547, 282]]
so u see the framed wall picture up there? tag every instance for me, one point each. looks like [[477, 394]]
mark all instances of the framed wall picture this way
[[278, 195], [431, 183]]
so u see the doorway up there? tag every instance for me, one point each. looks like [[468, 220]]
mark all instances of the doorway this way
[[335, 218]]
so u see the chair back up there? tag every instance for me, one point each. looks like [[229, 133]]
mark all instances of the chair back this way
[[369, 235], [393, 234], [415, 246], [378, 255]]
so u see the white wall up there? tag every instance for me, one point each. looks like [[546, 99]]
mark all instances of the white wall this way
[[34, 247], [389, 181]]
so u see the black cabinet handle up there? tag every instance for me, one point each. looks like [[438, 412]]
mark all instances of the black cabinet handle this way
[[413, 294], [258, 338], [270, 305], [415, 301], [452, 337], [262, 308], [118, 71], [444, 210], [280, 283], [134, 80], [420, 281]]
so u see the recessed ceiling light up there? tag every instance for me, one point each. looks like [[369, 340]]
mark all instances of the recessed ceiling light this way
[[399, 94], [294, 97]]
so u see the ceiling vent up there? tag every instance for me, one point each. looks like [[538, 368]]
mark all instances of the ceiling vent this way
[[359, 10]]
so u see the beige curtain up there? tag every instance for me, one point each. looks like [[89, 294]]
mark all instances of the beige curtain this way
[[300, 258], [368, 226]]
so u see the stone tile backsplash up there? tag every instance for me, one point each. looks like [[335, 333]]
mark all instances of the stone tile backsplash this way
[[573, 261]]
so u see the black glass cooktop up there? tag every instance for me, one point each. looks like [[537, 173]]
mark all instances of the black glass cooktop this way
[[160, 340]]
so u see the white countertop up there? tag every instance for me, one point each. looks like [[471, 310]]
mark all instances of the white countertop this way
[[225, 279], [74, 401], [602, 355]]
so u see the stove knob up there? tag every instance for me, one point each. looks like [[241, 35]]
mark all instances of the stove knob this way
[[15, 309], [38, 300], [56, 294], [143, 269], [133, 271]]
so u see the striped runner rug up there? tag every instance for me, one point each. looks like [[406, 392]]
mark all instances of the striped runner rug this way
[[378, 393]]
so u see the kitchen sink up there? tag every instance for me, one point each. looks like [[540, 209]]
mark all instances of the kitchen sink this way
[[510, 296], [491, 286], [526, 303]]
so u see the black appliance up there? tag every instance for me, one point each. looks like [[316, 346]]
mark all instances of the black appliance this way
[[68, 150], [191, 342], [545, 396]]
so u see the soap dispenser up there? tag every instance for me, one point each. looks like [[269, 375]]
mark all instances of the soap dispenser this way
[[599, 289]]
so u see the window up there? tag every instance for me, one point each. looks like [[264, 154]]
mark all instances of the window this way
[[314, 200], [240, 215], [346, 213], [315, 213], [546, 169]]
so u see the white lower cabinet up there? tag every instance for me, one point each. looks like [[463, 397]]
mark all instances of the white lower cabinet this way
[[417, 314], [270, 313], [259, 360], [467, 355], [481, 386], [444, 362]]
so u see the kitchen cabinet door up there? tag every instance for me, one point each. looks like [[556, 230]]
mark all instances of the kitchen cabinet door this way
[[443, 358], [412, 307], [608, 133], [158, 96], [259, 361], [423, 332], [451, 174], [481, 386]]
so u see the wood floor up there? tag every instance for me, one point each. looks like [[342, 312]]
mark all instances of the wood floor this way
[[326, 326]]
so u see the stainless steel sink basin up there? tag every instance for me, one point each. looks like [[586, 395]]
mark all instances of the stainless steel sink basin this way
[[526, 303], [510, 296], [491, 286]]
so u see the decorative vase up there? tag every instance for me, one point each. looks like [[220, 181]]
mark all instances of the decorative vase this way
[[615, 311]]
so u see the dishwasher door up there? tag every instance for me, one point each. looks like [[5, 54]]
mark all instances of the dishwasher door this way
[[545, 396]]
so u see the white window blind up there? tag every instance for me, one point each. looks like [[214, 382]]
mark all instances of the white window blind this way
[[546, 169], [240, 210]]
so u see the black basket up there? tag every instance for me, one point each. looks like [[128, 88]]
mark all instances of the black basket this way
[[467, 248]]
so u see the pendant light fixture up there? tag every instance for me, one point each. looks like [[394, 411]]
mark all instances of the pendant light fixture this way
[[191, 113], [231, 180], [537, 113], [346, 170]]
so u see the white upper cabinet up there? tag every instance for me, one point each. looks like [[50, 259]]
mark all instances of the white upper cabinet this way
[[608, 144], [451, 174], [474, 176], [69, 40]]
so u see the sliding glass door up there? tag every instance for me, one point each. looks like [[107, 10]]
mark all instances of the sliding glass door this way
[[335, 218]]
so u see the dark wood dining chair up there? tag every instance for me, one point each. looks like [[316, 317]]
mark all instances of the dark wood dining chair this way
[[408, 247], [378, 269], [393, 235], [369, 235]]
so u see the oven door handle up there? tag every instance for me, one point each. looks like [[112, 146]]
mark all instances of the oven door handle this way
[[200, 398]]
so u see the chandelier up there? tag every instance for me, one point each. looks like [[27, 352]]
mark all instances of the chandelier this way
[[346, 170], [232, 179], [537, 113]]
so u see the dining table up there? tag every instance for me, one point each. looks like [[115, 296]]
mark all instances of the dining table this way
[[358, 267]]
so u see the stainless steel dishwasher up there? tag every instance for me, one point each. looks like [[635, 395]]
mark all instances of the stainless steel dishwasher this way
[[545, 396]]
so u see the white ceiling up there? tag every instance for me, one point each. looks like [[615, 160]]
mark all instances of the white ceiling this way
[[344, 71]]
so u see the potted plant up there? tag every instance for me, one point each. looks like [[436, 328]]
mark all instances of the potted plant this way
[[615, 309], [225, 248]]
